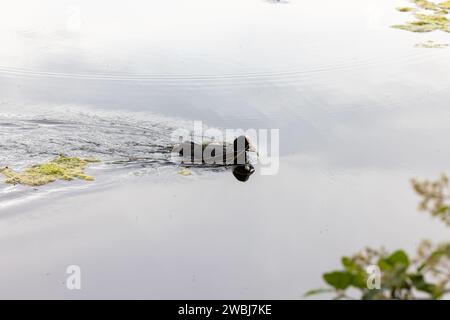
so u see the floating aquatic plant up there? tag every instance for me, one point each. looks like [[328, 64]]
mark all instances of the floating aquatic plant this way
[[185, 172], [61, 168], [405, 9], [432, 45], [426, 5], [445, 5], [426, 22]]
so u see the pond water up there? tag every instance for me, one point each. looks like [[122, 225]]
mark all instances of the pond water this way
[[360, 111]]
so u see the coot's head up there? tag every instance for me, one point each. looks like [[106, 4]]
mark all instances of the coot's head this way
[[243, 172]]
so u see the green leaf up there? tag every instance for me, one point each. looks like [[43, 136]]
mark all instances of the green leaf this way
[[359, 280], [338, 279], [397, 259]]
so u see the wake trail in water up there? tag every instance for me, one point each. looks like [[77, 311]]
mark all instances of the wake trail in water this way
[[125, 143]]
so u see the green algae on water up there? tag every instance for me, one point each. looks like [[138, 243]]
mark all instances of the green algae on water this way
[[426, 5], [185, 172], [445, 5], [405, 9], [427, 22], [61, 168]]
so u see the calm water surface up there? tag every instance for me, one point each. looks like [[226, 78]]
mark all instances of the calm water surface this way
[[359, 108]]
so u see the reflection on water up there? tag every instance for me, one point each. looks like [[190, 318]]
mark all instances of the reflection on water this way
[[243, 172]]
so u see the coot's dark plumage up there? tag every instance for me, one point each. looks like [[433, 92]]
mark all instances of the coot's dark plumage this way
[[228, 155]]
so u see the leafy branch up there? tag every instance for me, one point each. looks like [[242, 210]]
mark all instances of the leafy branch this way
[[435, 197], [425, 276]]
